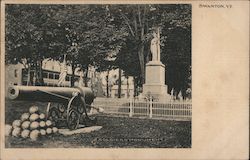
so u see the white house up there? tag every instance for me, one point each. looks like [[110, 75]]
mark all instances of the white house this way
[[127, 87]]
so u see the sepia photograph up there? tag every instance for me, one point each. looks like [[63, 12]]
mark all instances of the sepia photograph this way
[[98, 76], [124, 80]]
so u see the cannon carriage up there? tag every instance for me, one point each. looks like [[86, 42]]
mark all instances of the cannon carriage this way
[[64, 104]]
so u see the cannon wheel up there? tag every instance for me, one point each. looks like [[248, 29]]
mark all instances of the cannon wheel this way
[[53, 115], [61, 107], [73, 119], [73, 116]]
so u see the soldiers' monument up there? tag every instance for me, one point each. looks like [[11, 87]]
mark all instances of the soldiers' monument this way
[[155, 73]]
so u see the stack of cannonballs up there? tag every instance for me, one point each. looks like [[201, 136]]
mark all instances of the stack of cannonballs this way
[[31, 125]]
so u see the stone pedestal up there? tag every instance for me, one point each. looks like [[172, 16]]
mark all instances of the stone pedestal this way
[[155, 81]]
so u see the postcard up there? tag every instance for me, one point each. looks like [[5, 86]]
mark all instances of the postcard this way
[[124, 79]]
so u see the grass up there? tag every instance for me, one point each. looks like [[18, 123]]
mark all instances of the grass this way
[[117, 132]]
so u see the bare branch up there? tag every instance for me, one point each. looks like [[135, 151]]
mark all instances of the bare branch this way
[[127, 22], [143, 23], [135, 23], [139, 15]]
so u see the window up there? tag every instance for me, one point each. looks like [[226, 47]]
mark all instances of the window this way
[[15, 72], [67, 78], [51, 76], [56, 76], [76, 79]]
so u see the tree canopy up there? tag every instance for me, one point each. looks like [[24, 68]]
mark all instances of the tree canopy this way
[[105, 36]]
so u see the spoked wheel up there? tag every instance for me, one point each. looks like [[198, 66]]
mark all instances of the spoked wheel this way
[[78, 103], [73, 114], [62, 108], [54, 115], [73, 118]]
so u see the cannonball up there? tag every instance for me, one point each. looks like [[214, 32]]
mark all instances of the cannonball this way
[[8, 129], [48, 130], [16, 132], [42, 124], [34, 135], [48, 123], [16, 123], [25, 124], [101, 110], [43, 132], [55, 130], [33, 109], [25, 133], [34, 117], [34, 125], [25, 116], [36, 130], [42, 116]]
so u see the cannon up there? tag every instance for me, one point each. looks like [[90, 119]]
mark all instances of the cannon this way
[[64, 103]]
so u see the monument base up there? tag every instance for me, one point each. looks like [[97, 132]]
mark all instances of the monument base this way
[[158, 92], [155, 81]]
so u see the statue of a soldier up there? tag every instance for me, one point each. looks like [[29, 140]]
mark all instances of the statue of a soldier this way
[[155, 47]]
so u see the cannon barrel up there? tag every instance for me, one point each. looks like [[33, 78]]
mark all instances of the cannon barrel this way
[[49, 94]]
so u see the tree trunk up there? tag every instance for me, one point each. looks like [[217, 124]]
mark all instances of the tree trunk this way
[[35, 77], [86, 77], [119, 83], [141, 60], [41, 81], [135, 86], [28, 77], [127, 87], [107, 85]]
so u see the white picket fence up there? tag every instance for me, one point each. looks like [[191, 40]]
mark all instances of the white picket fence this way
[[174, 110]]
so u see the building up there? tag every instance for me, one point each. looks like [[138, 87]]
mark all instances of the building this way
[[127, 91], [17, 74], [127, 86]]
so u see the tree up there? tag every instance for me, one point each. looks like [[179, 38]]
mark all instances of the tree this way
[[80, 31], [95, 34], [139, 21], [26, 37], [119, 82], [177, 48], [84, 33], [134, 18]]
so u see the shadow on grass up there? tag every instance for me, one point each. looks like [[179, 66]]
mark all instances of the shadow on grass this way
[[117, 132]]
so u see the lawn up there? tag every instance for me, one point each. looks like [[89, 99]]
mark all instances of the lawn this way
[[117, 132]]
